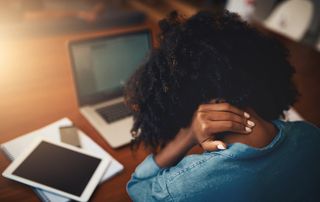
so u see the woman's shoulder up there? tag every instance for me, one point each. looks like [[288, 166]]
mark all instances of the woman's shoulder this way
[[302, 132], [301, 126]]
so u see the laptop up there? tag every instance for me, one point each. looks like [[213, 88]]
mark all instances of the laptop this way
[[101, 66]]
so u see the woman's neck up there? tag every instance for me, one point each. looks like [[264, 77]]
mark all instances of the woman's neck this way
[[262, 133]]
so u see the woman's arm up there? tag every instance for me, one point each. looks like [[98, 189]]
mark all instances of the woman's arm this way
[[208, 120], [176, 149], [149, 181]]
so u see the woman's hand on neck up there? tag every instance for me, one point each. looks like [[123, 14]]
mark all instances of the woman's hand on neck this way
[[262, 133]]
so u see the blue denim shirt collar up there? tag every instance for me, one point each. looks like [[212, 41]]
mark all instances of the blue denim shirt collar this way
[[243, 151]]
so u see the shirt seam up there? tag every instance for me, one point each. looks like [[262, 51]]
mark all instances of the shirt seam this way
[[169, 194], [196, 164], [211, 155]]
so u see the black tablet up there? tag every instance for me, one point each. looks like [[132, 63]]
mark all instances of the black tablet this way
[[59, 168]]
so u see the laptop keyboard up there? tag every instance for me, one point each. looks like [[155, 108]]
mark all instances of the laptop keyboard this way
[[114, 112]]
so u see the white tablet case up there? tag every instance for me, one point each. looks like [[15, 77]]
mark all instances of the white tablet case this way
[[14, 147]]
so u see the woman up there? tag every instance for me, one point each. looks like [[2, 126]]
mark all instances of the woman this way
[[217, 82]]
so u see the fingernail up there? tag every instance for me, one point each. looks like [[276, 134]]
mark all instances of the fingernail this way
[[246, 115], [221, 146], [248, 130], [251, 123]]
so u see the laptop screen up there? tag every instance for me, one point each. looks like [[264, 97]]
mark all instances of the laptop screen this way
[[101, 66]]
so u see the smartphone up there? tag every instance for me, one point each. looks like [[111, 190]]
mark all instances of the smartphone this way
[[69, 135]]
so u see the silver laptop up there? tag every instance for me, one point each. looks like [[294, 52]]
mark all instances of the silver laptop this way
[[101, 66]]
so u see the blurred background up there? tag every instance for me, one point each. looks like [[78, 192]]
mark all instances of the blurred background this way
[[34, 65], [297, 19], [35, 73], [36, 76]]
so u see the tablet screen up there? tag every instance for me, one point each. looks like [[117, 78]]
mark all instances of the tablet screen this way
[[57, 167]]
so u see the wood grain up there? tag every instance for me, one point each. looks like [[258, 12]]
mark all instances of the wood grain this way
[[36, 88]]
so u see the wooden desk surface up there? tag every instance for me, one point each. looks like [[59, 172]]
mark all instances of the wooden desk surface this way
[[37, 89]]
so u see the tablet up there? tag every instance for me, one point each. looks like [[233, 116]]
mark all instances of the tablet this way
[[58, 168]]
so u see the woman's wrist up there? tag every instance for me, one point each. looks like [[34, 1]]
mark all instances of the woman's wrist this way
[[176, 149], [188, 137]]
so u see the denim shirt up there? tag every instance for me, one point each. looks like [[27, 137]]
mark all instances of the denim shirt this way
[[288, 169]]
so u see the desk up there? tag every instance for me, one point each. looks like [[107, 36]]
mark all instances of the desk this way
[[37, 89]]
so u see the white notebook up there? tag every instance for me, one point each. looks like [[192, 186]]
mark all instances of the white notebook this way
[[14, 147]]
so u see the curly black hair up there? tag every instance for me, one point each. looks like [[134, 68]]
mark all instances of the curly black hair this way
[[207, 56]]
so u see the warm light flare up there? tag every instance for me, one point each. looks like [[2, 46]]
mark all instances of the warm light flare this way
[[15, 55], [6, 59]]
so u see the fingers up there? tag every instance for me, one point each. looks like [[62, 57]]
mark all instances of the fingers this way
[[226, 107], [215, 118], [224, 116], [213, 127], [213, 145]]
